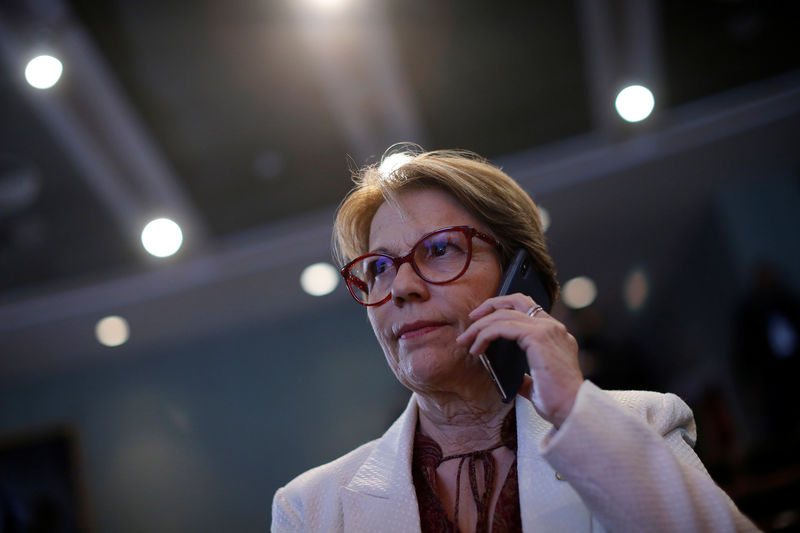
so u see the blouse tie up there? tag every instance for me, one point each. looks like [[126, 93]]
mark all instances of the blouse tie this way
[[486, 460], [480, 465]]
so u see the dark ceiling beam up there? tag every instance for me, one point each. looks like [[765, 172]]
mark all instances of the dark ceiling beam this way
[[97, 127], [137, 154], [601, 62], [643, 44], [52, 108]]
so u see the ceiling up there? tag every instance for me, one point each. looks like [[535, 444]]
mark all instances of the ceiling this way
[[241, 120]]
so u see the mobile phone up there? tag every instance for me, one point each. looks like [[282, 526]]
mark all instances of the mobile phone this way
[[504, 359]]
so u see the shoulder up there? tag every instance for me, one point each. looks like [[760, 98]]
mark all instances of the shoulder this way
[[626, 420], [664, 412], [648, 402]]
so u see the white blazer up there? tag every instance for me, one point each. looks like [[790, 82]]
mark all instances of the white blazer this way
[[624, 461]]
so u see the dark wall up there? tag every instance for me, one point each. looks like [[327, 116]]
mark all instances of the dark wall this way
[[197, 436]]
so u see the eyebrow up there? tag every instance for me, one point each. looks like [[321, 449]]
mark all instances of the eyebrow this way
[[380, 250], [384, 250]]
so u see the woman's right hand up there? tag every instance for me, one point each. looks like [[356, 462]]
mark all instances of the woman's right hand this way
[[552, 352]]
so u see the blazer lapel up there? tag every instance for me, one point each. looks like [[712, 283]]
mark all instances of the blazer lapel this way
[[381, 495], [546, 502]]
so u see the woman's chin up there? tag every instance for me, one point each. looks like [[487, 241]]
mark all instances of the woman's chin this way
[[422, 373]]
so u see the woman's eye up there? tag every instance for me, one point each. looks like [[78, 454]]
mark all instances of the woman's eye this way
[[440, 248], [379, 266]]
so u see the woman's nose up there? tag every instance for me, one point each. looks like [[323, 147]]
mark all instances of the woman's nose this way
[[408, 286]]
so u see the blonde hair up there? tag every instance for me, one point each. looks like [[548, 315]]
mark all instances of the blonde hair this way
[[484, 190]]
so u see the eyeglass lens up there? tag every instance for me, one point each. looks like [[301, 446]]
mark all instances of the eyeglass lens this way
[[438, 258]]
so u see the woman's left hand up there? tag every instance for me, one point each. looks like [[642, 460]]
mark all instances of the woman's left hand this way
[[551, 351]]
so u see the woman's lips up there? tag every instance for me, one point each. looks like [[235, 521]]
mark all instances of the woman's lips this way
[[417, 329]]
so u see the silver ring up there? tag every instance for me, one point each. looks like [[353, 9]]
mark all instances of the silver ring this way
[[533, 310]]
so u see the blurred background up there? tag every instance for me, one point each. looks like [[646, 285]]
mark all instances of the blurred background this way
[[176, 389]]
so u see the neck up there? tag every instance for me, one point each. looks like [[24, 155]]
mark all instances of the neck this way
[[462, 424]]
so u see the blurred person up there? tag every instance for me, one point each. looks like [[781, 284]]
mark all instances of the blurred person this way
[[606, 363], [767, 359], [423, 248]]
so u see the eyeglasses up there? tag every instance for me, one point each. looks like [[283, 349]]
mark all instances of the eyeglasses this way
[[438, 257]]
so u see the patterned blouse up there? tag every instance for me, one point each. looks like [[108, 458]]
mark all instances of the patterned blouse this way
[[428, 457]]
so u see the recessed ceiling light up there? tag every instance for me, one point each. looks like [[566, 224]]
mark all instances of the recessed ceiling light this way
[[635, 103], [328, 6], [43, 71], [112, 331], [162, 237], [636, 289], [579, 292], [319, 279]]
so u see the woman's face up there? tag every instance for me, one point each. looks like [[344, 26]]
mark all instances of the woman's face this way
[[418, 326]]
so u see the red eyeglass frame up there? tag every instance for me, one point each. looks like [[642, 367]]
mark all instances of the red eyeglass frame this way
[[469, 231]]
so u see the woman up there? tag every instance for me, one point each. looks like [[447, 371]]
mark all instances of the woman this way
[[424, 249]]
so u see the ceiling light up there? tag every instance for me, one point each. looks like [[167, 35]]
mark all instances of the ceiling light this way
[[319, 279], [112, 331], [327, 6], [579, 292], [43, 71], [162, 237], [635, 103], [636, 289]]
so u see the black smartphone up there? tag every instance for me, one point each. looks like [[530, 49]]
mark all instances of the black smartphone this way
[[504, 359]]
